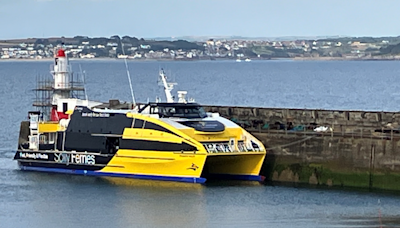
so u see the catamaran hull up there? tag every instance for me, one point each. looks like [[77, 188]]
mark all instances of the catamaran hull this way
[[172, 166], [235, 166], [167, 166]]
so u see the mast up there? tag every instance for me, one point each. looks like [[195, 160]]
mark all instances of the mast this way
[[128, 74], [168, 87]]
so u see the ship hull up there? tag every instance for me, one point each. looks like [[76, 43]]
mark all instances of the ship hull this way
[[109, 174], [168, 166], [236, 166]]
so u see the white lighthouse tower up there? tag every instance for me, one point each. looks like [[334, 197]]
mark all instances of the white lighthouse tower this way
[[64, 92], [62, 85]]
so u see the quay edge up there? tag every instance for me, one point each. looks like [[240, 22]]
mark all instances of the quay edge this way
[[359, 149]]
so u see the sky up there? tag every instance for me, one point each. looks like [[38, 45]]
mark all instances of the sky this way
[[211, 18]]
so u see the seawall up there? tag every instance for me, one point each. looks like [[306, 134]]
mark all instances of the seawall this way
[[358, 149]]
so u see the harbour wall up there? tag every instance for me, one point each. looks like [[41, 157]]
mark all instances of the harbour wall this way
[[357, 149]]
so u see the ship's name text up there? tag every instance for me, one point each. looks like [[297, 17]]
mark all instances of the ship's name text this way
[[64, 158]]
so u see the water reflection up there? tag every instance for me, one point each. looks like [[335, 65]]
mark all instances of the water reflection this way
[[226, 183], [158, 203], [152, 184], [43, 200], [368, 221]]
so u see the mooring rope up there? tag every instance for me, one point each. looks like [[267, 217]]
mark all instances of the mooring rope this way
[[292, 143]]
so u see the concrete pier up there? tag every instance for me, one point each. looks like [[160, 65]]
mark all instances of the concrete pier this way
[[358, 149]]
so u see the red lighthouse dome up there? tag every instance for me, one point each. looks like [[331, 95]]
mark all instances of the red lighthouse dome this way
[[60, 53]]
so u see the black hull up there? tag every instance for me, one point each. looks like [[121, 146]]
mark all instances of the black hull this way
[[64, 160]]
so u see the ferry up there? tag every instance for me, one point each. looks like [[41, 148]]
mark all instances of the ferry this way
[[175, 140]]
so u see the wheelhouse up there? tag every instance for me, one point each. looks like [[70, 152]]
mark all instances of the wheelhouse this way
[[177, 110]]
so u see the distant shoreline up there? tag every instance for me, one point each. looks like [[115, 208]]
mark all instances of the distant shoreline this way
[[218, 59]]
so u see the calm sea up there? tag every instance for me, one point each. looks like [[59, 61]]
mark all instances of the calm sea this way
[[29, 199]]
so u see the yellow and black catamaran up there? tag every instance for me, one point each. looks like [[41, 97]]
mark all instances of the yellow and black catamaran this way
[[172, 140]]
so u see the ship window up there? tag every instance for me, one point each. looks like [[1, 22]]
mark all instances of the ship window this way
[[149, 125], [65, 107], [138, 123], [154, 110], [42, 139], [184, 111], [52, 137]]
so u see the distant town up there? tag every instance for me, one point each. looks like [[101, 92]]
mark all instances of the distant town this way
[[83, 47]]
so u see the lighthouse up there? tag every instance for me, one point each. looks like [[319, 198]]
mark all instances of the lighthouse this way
[[65, 90], [62, 85]]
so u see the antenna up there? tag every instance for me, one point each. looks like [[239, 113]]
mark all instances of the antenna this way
[[127, 72]]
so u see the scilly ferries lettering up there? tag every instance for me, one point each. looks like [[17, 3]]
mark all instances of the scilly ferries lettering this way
[[33, 155], [84, 159], [218, 147], [226, 147]]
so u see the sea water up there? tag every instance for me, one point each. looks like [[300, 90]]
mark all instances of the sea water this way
[[29, 199]]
